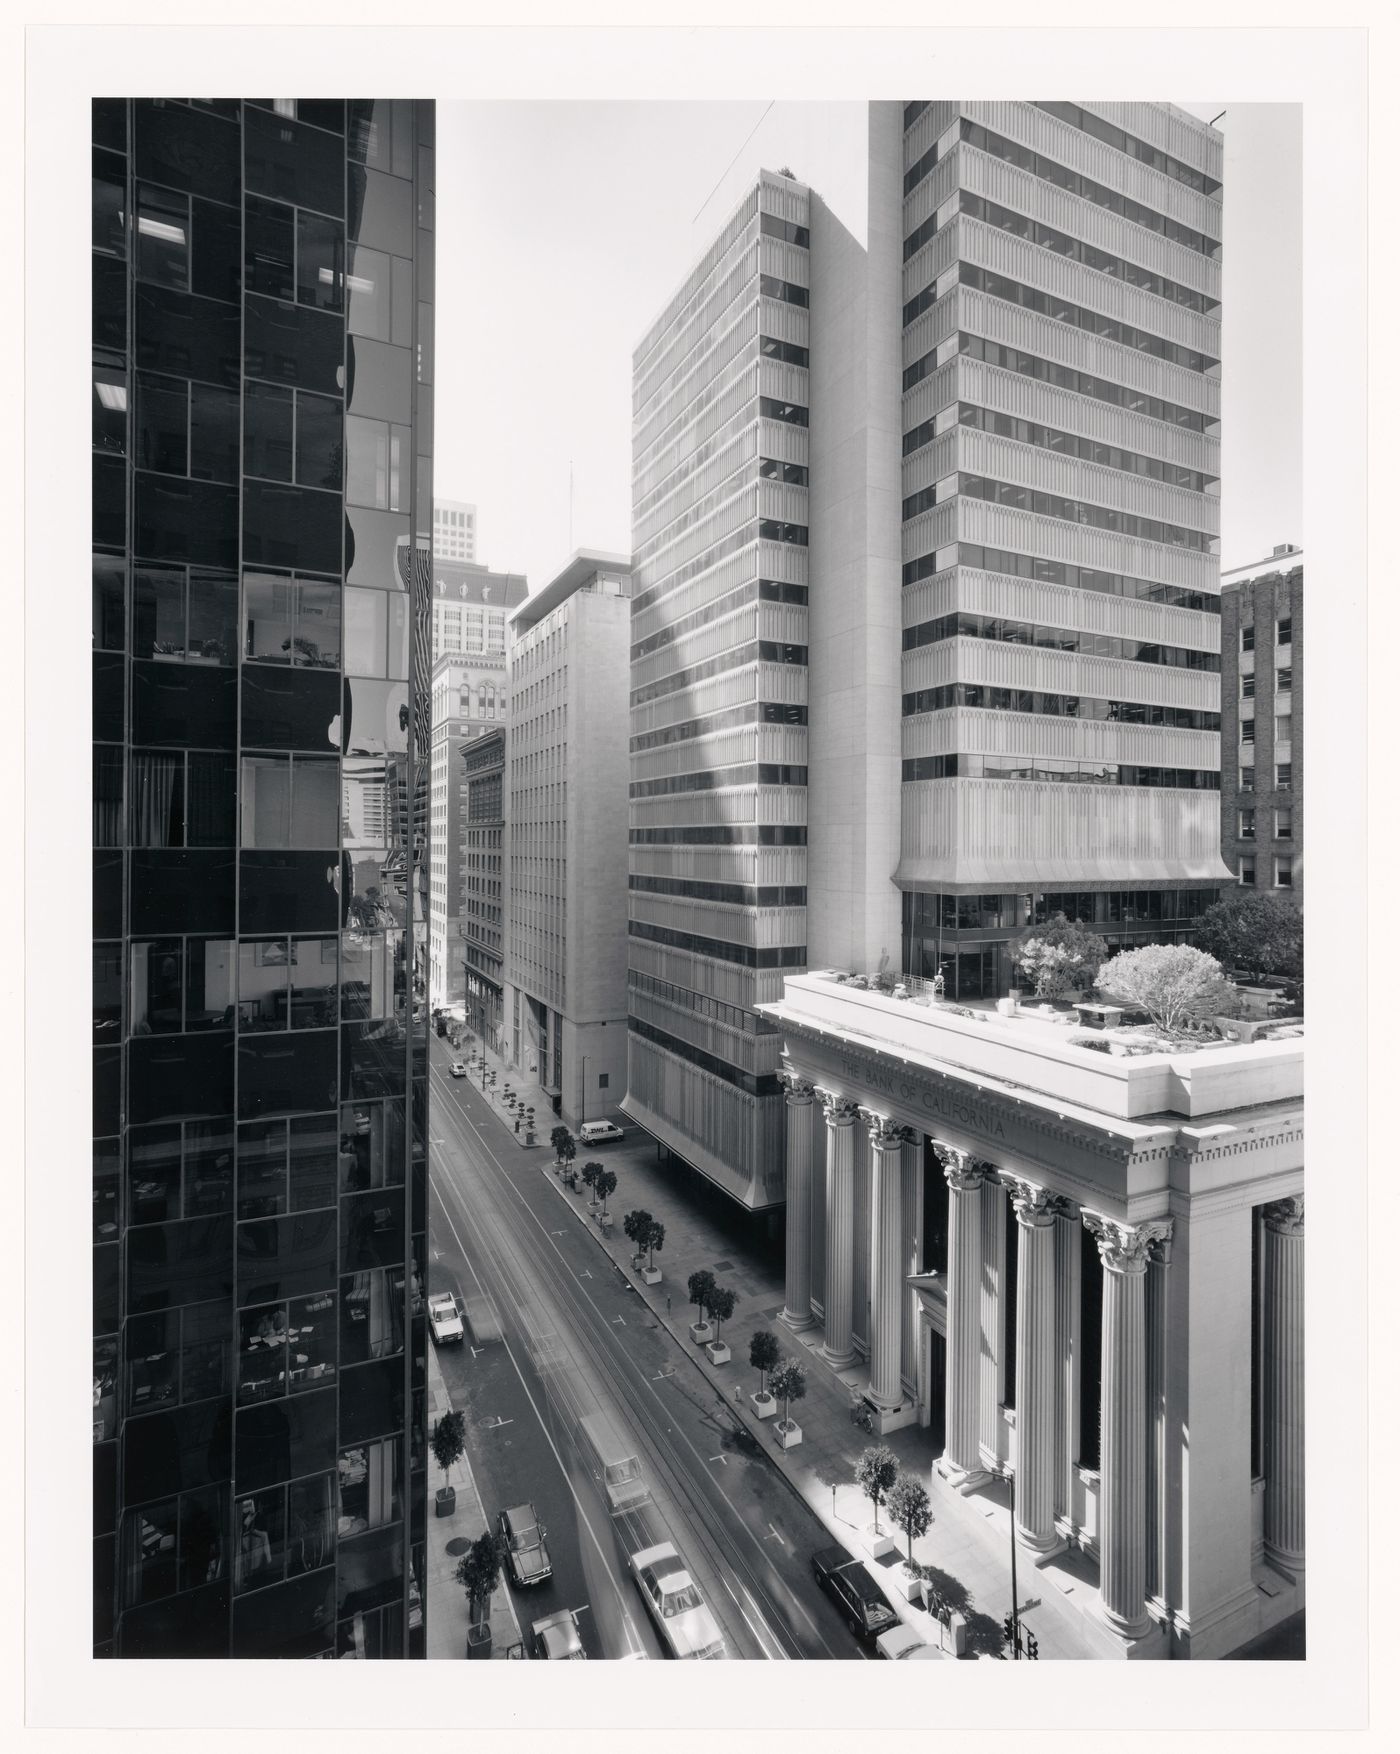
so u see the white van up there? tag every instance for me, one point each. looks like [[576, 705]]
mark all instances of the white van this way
[[598, 1133], [612, 1458]]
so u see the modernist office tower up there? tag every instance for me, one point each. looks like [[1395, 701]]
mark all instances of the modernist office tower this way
[[454, 530], [1261, 641], [718, 834], [1061, 401], [262, 403], [566, 936]]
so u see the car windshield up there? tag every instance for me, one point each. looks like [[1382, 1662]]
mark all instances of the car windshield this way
[[520, 1539], [876, 1614], [680, 1601], [618, 1473]]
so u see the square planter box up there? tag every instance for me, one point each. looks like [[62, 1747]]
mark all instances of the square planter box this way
[[446, 1500], [788, 1433], [652, 1275], [910, 1585], [718, 1351], [764, 1406], [876, 1545], [702, 1333], [605, 1222]]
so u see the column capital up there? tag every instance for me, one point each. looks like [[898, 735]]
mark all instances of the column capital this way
[[1035, 1207], [960, 1169], [885, 1134], [1285, 1216], [840, 1110], [796, 1087], [1123, 1248]]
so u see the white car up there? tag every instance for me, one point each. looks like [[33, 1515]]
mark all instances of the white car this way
[[555, 1638], [458, 1068], [446, 1318], [905, 1641], [676, 1605], [599, 1133]]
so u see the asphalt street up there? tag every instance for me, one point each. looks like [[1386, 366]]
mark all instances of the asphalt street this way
[[575, 1338]]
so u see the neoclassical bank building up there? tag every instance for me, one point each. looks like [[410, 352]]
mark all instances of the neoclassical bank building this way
[[1079, 1268]]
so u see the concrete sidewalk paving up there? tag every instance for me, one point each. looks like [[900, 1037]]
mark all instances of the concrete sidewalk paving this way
[[968, 1546], [448, 1538]]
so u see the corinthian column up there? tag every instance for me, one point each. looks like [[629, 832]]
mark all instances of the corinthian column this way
[[1123, 1249], [838, 1348], [797, 1306], [1035, 1365], [961, 1464], [886, 1257], [1283, 1385]]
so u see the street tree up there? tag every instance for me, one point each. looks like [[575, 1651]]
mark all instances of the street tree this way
[[719, 1306], [1175, 984], [605, 1183], [910, 1510], [1059, 958], [449, 1440], [788, 1381], [698, 1287], [590, 1173], [656, 1235], [478, 1571], [1256, 931], [876, 1471], [764, 1353], [636, 1227]]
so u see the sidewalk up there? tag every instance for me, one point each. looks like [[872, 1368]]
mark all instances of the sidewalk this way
[[969, 1542], [448, 1539]]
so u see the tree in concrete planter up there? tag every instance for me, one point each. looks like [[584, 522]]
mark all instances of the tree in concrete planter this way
[[590, 1173], [719, 1306], [568, 1151], [605, 1183], [1175, 984], [764, 1354], [788, 1381], [698, 1287], [478, 1572], [1059, 958], [656, 1236], [1256, 931], [636, 1227], [910, 1512], [876, 1471], [557, 1137], [449, 1446]]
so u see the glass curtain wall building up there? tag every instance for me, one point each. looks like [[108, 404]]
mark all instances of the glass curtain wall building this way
[[262, 531], [718, 830], [1060, 506]]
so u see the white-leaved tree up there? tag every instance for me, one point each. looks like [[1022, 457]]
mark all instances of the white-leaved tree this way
[[1175, 984]]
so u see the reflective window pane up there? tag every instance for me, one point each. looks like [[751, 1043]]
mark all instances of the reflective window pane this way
[[266, 797], [162, 237], [214, 440], [315, 802], [267, 431], [162, 425], [368, 285], [217, 248], [267, 617], [320, 442], [320, 262]]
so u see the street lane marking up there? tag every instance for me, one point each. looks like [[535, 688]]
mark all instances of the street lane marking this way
[[775, 1536], [621, 1319], [663, 1375], [723, 1459]]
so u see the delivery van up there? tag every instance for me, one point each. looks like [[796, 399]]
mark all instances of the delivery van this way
[[614, 1462]]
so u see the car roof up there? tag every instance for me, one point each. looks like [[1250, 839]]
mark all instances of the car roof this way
[[829, 1558], [521, 1515]]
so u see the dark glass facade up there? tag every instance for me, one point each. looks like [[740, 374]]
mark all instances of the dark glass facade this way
[[262, 474]]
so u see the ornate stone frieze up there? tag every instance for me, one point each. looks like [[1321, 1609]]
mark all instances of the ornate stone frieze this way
[[1124, 1248], [1285, 1216]]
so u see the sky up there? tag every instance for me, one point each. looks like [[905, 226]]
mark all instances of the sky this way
[[573, 222]]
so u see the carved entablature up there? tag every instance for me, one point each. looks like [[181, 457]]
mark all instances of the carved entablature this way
[[1124, 1248], [840, 1111], [885, 1134], [1034, 1206], [798, 1088], [1285, 1216], [962, 1171]]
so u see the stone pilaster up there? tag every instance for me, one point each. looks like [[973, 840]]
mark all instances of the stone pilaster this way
[[1158, 1261], [992, 1319], [797, 1301], [1123, 1249], [886, 1257], [911, 1187], [1036, 1385], [1067, 1227], [838, 1347], [961, 1464], [1284, 1543]]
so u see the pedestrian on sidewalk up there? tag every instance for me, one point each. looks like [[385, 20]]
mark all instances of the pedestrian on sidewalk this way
[[668, 1306]]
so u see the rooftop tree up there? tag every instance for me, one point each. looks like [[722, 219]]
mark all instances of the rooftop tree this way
[[1175, 984], [1256, 931], [1059, 958]]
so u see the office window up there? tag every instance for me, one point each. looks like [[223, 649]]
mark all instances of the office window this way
[[1246, 777], [1285, 631], [1247, 639], [1247, 869], [1246, 825], [1283, 824], [1247, 686], [1247, 730], [1283, 776], [1283, 680], [1283, 872], [1283, 728]]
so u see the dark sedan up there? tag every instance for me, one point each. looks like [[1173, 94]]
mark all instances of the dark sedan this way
[[856, 1592]]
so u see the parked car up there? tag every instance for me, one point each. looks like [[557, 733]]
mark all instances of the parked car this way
[[556, 1638], [458, 1068], [526, 1554], [599, 1133], [856, 1592], [905, 1641], [445, 1318], [675, 1603]]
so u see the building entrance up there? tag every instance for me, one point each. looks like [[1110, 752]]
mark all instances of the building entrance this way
[[937, 1390]]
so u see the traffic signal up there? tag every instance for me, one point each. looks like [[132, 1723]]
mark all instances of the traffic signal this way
[[1032, 1648], [1008, 1629]]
